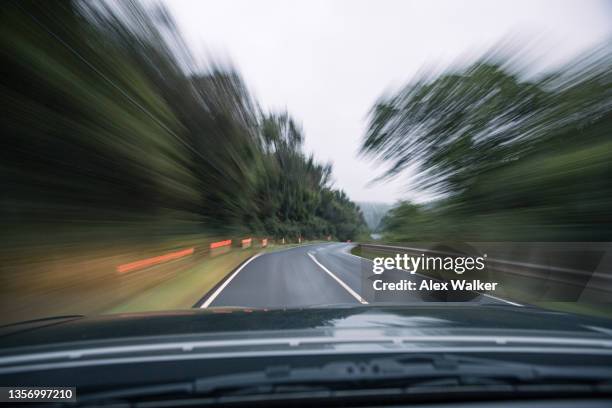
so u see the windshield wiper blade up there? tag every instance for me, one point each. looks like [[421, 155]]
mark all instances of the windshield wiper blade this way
[[420, 370], [405, 367]]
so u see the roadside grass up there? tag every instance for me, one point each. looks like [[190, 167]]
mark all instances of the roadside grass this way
[[523, 290], [188, 287], [65, 279]]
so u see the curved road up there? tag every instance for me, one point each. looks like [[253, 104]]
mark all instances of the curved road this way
[[315, 275]]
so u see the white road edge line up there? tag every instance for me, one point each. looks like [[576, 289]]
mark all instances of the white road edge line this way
[[503, 300], [344, 285], [423, 276], [227, 281]]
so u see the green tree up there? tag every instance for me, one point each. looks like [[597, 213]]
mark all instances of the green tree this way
[[513, 159]]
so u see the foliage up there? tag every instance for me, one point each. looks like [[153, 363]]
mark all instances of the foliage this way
[[373, 213], [510, 158], [110, 125]]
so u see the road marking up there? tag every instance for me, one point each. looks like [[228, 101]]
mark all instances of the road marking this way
[[503, 300], [227, 281], [344, 285], [423, 276]]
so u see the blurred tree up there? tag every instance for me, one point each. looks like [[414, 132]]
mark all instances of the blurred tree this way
[[456, 126], [110, 123], [511, 159], [295, 198]]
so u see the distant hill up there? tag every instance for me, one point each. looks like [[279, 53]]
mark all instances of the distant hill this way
[[373, 213]]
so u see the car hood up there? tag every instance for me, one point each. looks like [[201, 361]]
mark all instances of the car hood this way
[[448, 319]]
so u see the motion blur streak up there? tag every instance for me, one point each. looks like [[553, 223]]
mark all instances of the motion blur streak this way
[[510, 155], [145, 263], [117, 145], [219, 244]]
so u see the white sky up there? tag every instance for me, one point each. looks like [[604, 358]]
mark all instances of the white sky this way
[[327, 61]]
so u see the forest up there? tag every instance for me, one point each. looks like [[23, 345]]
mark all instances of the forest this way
[[112, 130], [507, 154]]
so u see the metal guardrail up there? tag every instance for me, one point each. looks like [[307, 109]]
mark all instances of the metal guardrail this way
[[531, 270]]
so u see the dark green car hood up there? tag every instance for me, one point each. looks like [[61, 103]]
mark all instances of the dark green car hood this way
[[441, 319]]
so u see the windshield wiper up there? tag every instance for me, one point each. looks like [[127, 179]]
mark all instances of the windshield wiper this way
[[405, 371], [409, 369]]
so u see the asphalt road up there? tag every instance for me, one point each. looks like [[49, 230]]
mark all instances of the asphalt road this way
[[315, 275]]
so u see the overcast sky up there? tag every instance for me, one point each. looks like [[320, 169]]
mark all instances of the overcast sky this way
[[327, 62]]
